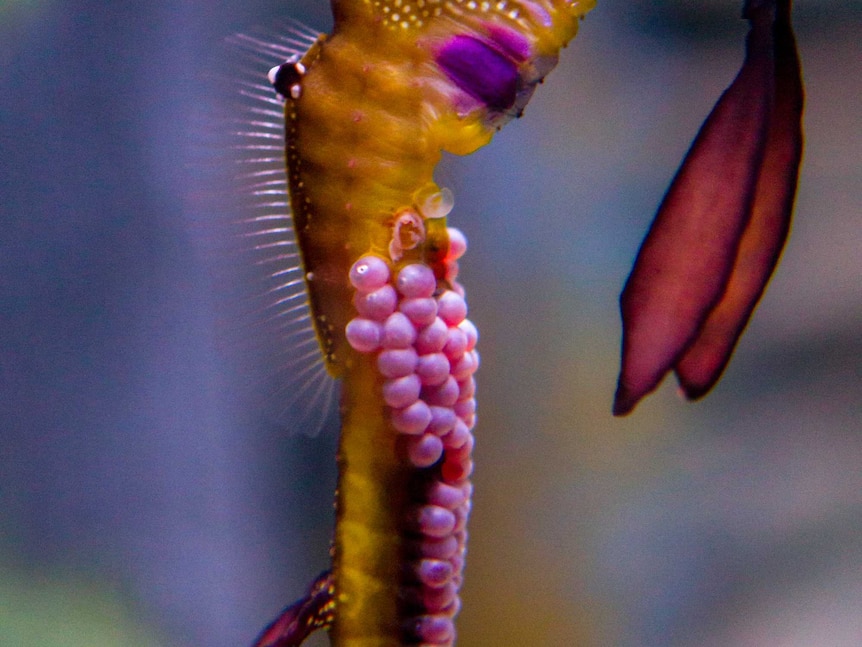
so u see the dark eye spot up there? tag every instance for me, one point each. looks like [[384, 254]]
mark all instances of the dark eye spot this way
[[481, 71], [283, 76]]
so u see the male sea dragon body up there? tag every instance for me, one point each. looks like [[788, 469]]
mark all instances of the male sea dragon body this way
[[368, 110]]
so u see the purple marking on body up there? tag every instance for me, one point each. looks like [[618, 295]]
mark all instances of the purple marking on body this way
[[451, 270], [479, 69], [538, 13], [467, 487], [453, 609]]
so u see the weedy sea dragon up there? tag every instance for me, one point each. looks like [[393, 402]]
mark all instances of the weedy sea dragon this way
[[367, 112]]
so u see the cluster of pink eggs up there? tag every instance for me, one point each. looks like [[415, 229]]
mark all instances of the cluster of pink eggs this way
[[425, 351]]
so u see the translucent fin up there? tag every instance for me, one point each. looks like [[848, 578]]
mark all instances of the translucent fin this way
[[268, 333]]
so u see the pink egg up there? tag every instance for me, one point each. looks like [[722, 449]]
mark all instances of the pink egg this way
[[420, 310], [416, 280], [433, 337], [444, 395], [412, 419], [369, 273], [402, 391], [377, 304], [451, 307], [472, 333], [435, 629], [433, 369], [425, 450], [435, 521], [397, 362], [363, 335], [457, 243], [398, 331], [434, 572]]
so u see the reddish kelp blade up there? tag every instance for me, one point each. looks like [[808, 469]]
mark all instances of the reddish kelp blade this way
[[685, 261], [300, 619], [704, 361]]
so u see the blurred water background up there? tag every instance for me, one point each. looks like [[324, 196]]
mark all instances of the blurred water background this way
[[141, 504]]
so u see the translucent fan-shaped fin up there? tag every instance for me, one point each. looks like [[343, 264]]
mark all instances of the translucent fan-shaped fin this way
[[268, 332]]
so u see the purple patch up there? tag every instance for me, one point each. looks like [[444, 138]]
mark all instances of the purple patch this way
[[481, 71]]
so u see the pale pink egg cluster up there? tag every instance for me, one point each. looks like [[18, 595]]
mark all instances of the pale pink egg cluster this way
[[425, 351]]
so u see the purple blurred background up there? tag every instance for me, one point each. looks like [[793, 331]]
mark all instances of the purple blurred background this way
[[142, 503]]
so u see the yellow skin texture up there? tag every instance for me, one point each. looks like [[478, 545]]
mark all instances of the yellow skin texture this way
[[364, 135]]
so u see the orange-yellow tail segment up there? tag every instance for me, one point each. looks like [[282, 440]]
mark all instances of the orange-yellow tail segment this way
[[368, 112]]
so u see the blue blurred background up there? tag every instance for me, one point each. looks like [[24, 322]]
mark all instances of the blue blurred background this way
[[143, 504]]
